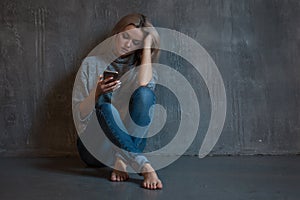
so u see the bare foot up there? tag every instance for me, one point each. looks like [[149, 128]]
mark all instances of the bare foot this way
[[151, 180], [119, 173]]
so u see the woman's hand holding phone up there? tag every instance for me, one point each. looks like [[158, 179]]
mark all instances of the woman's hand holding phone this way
[[106, 85]]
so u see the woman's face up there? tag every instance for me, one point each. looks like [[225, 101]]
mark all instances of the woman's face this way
[[129, 40]]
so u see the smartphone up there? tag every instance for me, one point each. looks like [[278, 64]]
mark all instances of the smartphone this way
[[108, 73]]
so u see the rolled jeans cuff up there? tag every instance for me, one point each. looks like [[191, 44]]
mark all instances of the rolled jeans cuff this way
[[139, 163]]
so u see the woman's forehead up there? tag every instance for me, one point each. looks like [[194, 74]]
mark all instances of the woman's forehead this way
[[135, 33]]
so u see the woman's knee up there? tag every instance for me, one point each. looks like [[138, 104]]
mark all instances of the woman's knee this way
[[140, 105], [144, 95]]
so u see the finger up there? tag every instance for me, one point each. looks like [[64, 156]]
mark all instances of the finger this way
[[117, 87], [114, 87], [103, 82], [112, 83], [100, 77], [107, 79]]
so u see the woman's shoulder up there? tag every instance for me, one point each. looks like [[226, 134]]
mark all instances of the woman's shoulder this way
[[91, 64], [92, 60]]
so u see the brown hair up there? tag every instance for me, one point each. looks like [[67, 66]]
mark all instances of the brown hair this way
[[139, 21]]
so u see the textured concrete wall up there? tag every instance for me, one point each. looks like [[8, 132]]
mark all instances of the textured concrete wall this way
[[255, 44]]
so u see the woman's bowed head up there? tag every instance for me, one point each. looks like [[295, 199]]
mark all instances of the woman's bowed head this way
[[134, 34], [135, 39]]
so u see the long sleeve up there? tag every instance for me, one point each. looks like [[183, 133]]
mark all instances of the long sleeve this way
[[84, 82]]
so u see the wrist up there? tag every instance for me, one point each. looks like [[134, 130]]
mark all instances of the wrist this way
[[147, 50], [147, 46], [94, 96]]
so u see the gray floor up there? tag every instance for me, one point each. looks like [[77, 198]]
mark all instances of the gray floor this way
[[249, 177]]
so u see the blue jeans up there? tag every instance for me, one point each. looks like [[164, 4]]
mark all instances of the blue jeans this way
[[139, 120]]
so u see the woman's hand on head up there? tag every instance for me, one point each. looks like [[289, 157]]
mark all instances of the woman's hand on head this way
[[104, 86], [148, 41]]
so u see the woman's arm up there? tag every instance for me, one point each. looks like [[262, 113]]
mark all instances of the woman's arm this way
[[87, 105], [145, 71], [102, 87]]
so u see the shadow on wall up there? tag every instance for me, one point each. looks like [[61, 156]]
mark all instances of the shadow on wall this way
[[53, 130]]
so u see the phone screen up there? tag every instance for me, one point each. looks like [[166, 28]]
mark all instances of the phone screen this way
[[108, 73]]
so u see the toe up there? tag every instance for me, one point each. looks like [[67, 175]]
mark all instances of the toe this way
[[159, 185], [144, 184], [152, 186], [113, 177], [123, 177]]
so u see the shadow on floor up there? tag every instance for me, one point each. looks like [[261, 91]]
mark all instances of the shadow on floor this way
[[75, 166]]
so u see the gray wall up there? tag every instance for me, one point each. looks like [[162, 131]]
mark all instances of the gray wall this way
[[255, 44]]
